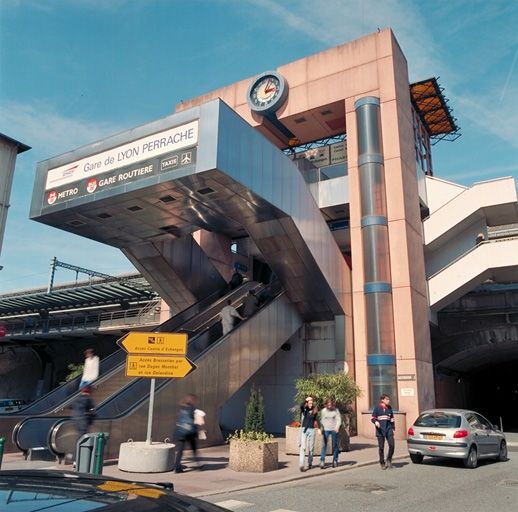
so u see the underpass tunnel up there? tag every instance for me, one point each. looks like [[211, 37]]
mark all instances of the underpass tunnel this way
[[482, 378]]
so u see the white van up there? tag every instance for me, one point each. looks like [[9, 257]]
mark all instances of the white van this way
[[11, 405]]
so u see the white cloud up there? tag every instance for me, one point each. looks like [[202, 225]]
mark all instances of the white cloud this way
[[334, 22], [483, 111], [47, 131]]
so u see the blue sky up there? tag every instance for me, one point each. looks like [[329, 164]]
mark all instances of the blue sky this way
[[72, 72]]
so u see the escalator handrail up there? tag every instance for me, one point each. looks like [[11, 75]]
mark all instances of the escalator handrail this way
[[161, 383], [106, 365], [247, 285]]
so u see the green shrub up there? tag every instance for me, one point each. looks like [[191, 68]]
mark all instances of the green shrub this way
[[74, 370], [254, 415], [242, 435], [339, 387], [254, 421]]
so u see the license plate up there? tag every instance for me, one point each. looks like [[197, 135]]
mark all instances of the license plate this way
[[433, 437]]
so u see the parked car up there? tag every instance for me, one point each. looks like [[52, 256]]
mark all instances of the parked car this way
[[32, 490], [455, 433]]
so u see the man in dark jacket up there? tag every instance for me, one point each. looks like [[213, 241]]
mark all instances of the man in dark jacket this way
[[84, 408], [383, 419]]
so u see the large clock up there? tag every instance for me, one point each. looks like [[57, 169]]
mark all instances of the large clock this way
[[267, 93]]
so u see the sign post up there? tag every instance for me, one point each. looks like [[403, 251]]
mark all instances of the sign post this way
[[156, 355]]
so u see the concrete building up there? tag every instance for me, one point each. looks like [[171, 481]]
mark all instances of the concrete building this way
[[317, 176]]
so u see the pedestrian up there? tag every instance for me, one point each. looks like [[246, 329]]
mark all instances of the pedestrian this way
[[330, 421], [383, 419], [83, 411], [185, 430], [308, 420], [250, 304], [227, 315], [90, 368], [236, 280]]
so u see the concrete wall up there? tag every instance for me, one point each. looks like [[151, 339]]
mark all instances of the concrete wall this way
[[371, 66], [276, 381]]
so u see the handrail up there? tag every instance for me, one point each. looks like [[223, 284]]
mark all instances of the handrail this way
[[197, 347], [82, 322], [211, 305]]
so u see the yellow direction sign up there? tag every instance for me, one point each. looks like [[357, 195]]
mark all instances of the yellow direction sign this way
[[162, 343], [158, 366]]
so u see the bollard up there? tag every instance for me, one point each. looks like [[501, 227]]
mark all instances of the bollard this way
[[2, 443], [98, 454]]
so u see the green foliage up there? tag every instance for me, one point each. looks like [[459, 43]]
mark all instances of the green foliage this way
[[73, 371], [338, 387], [242, 435], [254, 416]]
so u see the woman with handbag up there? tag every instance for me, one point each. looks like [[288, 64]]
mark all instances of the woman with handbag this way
[[185, 431]]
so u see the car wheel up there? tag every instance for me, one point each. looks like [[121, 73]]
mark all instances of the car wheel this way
[[502, 454], [472, 460], [416, 458]]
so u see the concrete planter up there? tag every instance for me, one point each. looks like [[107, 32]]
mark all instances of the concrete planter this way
[[253, 456]]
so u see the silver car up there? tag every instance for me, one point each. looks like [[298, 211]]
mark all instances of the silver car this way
[[455, 433]]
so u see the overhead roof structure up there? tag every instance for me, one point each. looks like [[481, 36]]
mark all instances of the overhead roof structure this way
[[432, 107], [81, 295]]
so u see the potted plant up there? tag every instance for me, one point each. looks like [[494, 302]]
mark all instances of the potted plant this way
[[340, 388], [252, 449]]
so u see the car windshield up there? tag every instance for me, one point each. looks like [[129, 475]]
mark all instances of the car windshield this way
[[438, 419]]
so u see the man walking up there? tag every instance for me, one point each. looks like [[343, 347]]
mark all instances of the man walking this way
[[383, 419]]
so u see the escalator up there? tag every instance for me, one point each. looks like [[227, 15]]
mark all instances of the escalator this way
[[224, 364], [56, 401], [112, 370]]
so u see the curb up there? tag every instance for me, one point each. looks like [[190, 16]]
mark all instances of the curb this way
[[246, 487]]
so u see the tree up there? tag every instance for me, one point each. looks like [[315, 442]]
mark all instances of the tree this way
[[254, 415], [338, 387]]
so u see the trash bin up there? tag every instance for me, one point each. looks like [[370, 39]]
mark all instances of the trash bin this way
[[89, 452]]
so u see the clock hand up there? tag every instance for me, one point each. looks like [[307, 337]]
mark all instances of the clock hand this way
[[269, 87]]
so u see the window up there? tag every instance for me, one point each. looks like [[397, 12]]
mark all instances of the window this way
[[483, 422], [438, 420], [472, 420]]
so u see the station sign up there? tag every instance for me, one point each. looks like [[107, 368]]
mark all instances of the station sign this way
[[325, 156], [157, 367], [139, 150], [158, 343], [92, 185]]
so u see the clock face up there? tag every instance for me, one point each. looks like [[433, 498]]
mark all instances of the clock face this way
[[267, 93]]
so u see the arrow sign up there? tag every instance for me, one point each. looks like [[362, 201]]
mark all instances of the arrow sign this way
[[160, 343], [158, 366]]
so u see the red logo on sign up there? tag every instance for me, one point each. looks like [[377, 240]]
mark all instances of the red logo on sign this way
[[91, 185], [52, 197]]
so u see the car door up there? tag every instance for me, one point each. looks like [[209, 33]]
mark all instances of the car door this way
[[493, 438], [478, 434]]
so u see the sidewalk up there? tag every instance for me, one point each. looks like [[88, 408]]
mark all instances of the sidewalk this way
[[217, 478]]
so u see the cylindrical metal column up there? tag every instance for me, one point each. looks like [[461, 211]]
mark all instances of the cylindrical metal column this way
[[381, 347]]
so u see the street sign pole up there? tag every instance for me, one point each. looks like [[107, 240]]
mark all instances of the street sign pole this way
[[150, 411]]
